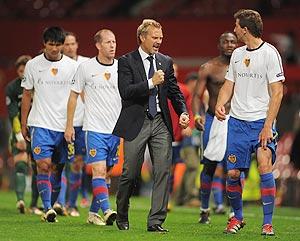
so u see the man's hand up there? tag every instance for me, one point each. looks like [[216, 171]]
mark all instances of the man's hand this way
[[158, 77], [265, 137], [184, 120], [187, 132], [220, 113], [25, 132], [69, 134], [199, 122]]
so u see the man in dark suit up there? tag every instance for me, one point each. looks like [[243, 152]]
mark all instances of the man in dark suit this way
[[146, 80]]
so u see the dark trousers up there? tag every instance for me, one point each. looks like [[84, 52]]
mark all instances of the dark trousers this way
[[156, 135]]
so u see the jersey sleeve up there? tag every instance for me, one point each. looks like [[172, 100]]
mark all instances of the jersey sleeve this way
[[78, 80], [274, 67], [230, 72], [28, 79], [11, 102]]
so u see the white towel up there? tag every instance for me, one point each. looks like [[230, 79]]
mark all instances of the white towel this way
[[216, 146]]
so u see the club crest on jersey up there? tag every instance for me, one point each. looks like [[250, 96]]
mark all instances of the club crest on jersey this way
[[232, 158], [54, 71], [37, 150], [107, 75], [247, 62], [93, 152]]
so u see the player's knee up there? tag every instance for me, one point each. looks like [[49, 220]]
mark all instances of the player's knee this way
[[43, 167], [234, 174], [264, 168], [77, 165], [99, 171]]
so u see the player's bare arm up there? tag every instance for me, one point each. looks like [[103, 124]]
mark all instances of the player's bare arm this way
[[25, 108], [72, 102], [196, 103], [224, 96], [266, 133]]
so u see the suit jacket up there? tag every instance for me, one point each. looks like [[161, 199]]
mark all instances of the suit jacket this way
[[134, 91]]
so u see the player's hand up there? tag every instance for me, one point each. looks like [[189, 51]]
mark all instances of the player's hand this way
[[187, 132], [158, 77], [69, 134], [184, 120], [21, 145], [199, 122], [25, 132], [265, 137], [220, 113]]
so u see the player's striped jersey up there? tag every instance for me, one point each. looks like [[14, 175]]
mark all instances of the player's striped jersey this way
[[99, 83], [252, 71], [51, 84]]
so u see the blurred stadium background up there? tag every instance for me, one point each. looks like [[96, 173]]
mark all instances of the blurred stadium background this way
[[191, 30]]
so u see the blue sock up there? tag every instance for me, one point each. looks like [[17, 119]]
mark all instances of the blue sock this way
[[205, 189], [268, 190], [44, 188], [234, 193], [63, 189], [55, 180], [83, 188], [217, 188], [75, 183], [100, 196]]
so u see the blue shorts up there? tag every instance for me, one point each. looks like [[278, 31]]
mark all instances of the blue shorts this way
[[102, 147], [208, 122], [79, 142], [176, 154], [242, 141], [47, 143]]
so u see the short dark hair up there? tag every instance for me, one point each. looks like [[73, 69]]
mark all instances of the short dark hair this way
[[191, 76], [250, 19], [22, 60], [54, 34]]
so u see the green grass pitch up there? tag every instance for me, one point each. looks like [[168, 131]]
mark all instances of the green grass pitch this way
[[181, 222]]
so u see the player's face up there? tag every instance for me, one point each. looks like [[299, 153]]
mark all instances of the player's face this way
[[70, 46], [53, 50], [151, 41], [239, 31], [20, 71], [227, 44], [108, 45]]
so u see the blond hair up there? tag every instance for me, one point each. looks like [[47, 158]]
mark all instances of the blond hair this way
[[98, 35], [144, 27]]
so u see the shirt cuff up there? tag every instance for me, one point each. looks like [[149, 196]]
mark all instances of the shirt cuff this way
[[150, 84]]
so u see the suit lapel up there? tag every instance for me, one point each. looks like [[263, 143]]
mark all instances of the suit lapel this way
[[139, 65]]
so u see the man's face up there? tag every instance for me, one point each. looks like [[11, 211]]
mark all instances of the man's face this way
[[20, 71], [228, 43], [239, 31], [53, 50], [70, 46], [151, 41], [107, 47]]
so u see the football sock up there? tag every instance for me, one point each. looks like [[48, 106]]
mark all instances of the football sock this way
[[34, 189], [20, 179], [61, 199], [268, 190], [75, 183], [44, 188], [234, 193], [217, 188], [100, 196]]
